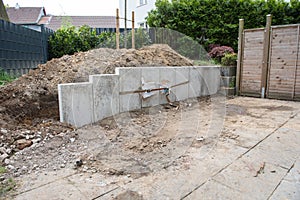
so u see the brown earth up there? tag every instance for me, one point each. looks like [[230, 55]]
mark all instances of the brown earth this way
[[32, 98], [29, 105]]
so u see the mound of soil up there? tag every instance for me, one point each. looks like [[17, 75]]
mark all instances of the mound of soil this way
[[32, 99]]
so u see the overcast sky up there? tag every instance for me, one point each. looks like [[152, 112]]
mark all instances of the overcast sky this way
[[71, 7]]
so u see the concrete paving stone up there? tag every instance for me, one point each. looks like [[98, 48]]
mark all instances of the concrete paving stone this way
[[213, 190], [243, 176], [28, 183], [289, 188], [182, 75], [280, 149], [106, 95], [151, 75], [167, 79], [54, 191], [76, 103], [92, 186]]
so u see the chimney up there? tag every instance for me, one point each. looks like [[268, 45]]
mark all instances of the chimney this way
[[17, 6]]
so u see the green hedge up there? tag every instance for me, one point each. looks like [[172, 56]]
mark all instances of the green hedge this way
[[69, 40], [216, 21]]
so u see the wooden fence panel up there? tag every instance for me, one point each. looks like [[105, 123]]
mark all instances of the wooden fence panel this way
[[252, 62], [284, 75], [22, 49]]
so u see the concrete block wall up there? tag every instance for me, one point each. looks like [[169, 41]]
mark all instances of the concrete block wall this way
[[108, 94]]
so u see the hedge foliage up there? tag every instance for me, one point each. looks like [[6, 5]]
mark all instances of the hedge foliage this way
[[216, 21], [69, 40]]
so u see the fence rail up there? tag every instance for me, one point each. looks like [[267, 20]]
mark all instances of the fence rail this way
[[22, 49]]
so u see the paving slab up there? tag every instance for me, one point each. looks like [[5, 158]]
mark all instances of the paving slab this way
[[289, 187], [61, 189]]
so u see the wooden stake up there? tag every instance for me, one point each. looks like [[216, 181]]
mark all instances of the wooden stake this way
[[133, 36], [118, 30], [265, 61], [240, 54]]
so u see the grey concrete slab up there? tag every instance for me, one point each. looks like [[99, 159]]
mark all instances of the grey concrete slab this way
[[243, 176], [278, 149], [93, 185], [129, 80], [182, 76], [150, 76], [167, 79], [211, 77], [54, 191], [213, 190], [33, 181], [76, 103], [106, 95], [196, 84], [289, 188]]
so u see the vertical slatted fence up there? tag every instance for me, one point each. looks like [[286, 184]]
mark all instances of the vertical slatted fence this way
[[22, 49]]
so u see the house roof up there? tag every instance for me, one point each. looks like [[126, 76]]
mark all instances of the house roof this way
[[25, 15], [92, 21]]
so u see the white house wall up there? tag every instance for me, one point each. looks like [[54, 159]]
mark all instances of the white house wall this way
[[141, 12]]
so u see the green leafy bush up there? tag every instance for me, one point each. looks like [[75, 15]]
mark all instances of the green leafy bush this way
[[108, 39], [216, 22], [68, 40], [219, 52], [229, 59]]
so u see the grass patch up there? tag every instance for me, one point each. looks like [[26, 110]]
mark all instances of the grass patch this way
[[5, 77], [7, 185], [2, 170]]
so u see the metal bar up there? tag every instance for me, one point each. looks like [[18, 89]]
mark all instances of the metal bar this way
[[152, 90]]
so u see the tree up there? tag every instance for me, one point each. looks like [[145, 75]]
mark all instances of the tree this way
[[216, 21], [3, 13]]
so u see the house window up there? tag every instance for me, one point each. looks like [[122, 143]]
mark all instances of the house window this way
[[142, 2], [143, 25]]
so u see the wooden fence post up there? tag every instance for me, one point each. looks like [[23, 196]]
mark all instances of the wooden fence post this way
[[240, 54], [118, 30], [132, 35], [265, 61]]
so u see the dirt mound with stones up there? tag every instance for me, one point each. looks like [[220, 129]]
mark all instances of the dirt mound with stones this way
[[32, 99]]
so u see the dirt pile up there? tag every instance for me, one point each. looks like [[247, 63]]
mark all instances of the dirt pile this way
[[29, 106], [33, 97]]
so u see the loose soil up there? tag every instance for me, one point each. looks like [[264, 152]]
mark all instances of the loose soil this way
[[29, 106]]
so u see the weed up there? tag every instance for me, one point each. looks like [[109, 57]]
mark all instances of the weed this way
[[2, 170], [5, 77]]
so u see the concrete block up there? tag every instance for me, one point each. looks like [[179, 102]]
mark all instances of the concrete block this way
[[106, 95], [167, 79], [211, 77], [76, 103], [182, 76], [204, 80], [129, 81], [196, 82], [150, 76]]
